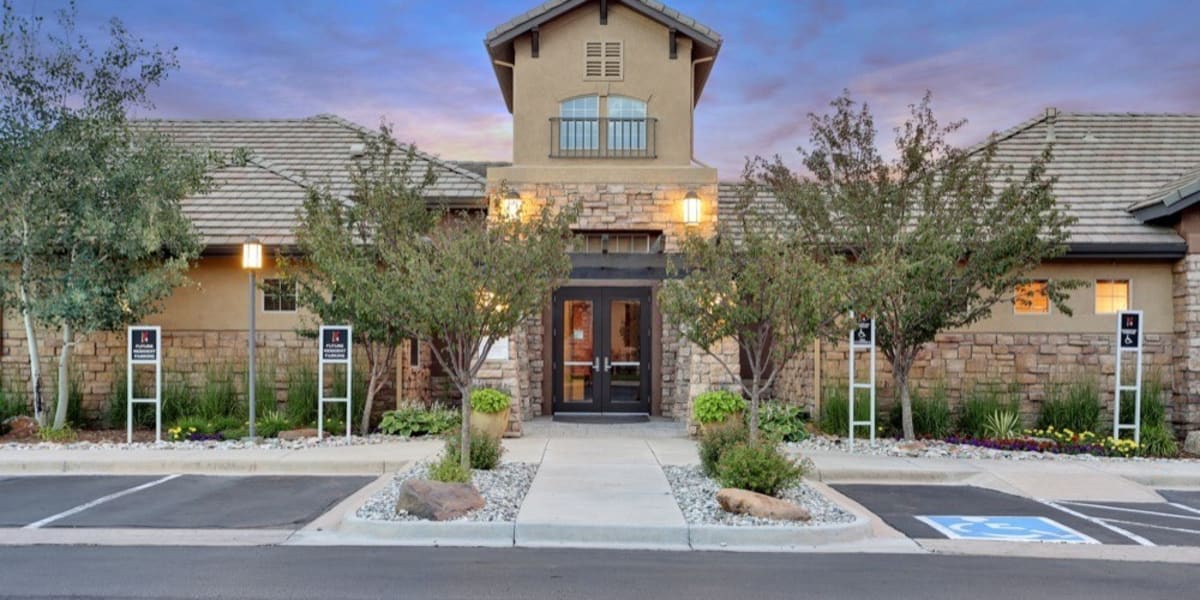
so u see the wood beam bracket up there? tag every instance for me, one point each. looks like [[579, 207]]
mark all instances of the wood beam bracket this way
[[604, 12], [674, 44], [535, 46]]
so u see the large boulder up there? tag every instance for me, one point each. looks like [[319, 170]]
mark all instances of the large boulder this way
[[21, 427], [437, 501], [1191, 444], [744, 502]]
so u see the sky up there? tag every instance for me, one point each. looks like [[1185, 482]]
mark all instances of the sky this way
[[421, 64]]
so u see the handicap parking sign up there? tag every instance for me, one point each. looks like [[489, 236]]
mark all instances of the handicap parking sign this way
[[1006, 529]]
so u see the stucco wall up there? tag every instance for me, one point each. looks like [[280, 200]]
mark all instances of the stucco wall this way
[[539, 84]]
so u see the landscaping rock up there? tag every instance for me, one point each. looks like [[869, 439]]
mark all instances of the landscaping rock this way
[[21, 427], [745, 502], [1191, 444], [297, 434], [437, 501], [910, 448]]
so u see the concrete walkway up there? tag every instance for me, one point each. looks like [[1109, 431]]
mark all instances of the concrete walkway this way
[[600, 492]]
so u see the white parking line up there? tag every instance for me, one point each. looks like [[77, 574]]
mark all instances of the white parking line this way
[[1113, 528], [1184, 507], [96, 502], [1179, 529], [1131, 510]]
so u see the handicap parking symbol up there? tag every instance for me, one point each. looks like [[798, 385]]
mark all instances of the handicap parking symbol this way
[[1006, 529]]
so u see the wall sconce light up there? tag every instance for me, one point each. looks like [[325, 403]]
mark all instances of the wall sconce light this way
[[691, 208], [512, 206]]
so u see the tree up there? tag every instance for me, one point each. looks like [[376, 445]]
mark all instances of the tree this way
[[755, 283], [342, 241], [472, 281], [949, 232], [91, 206]]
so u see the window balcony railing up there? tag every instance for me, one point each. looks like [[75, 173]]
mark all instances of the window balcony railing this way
[[602, 137]]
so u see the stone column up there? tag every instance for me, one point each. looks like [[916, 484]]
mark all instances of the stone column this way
[[1186, 413]]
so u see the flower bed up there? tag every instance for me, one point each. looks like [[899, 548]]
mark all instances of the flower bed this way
[[1057, 442]]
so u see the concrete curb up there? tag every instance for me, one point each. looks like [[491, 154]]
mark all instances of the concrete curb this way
[[777, 538], [550, 535], [426, 533], [218, 466], [876, 475]]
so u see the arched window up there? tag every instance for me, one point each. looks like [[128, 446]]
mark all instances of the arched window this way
[[579, 123], [626, 123]]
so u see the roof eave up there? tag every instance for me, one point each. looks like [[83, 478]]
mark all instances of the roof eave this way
[[1127, 250], [1160, 212]]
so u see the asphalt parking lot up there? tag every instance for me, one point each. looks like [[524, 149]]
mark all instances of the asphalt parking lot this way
[[170, 502], [973, 513]]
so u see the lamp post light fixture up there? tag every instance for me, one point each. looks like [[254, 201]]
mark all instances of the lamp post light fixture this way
[[691, 208], [512, 205], [252, 261]]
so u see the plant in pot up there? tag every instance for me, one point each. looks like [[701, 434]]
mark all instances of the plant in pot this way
[[489, 411], [718, 408]]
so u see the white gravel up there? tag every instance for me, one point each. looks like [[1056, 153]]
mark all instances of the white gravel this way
[[265, 444], [696, 494], [503, 490], [940, 449]]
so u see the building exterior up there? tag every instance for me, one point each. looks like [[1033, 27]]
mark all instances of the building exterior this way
[[603, 95]]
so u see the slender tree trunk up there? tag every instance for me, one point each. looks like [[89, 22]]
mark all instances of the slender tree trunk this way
[[900, 369], [35, 362], [64, 377], [465, 441], [381, 360], [755, 392]]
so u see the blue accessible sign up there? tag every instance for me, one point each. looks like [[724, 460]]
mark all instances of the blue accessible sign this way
[[1006, 529]]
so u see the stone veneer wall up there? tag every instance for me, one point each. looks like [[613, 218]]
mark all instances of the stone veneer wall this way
[[98, 360], [962, 360], [1187, 343]]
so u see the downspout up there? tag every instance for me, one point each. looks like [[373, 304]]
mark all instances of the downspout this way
[[692, 95]]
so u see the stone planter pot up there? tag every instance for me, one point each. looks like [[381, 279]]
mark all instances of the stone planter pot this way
[[491, 424], [731, 420]]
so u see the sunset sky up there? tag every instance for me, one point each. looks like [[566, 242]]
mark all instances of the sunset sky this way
[[421, 63]]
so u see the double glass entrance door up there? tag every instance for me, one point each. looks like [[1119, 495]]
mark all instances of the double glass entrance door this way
[[602, 350]]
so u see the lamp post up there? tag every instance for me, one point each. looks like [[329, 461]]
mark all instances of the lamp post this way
[[512, 205], [252, 262]]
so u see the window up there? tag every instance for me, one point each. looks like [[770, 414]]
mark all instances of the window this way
[[414, 353], [616, 242], [626, 123], [1032, 299], [1112, 296], [580, 129], [279, 295], [603, 61]]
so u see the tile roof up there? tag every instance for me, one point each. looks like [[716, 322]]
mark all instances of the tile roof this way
[[287, 156], [1106, 164], [531, 18]]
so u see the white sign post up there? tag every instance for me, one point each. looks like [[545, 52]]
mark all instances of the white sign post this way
[[144, 348], [862, 337], [335, 348], [1129, 340]]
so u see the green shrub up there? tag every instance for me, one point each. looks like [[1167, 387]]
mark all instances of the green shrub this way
[[835, 410], [485, 450], [64, 435], [447, 470], [1156, 437], [270, 423], [218, 397], [12, 404], [143, 414], [715, 441], [334, 426], [714, 406], [301, 406], [1002, 425], [1157, 440], [416, 420], [932, 416], [359, 397], [759, 468], [783, 422], [981, 402], [264, 387], [1073, 405], [489, 400]]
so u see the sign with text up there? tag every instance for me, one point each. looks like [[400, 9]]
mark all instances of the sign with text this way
[[864, 332], [335, 344], [1130, 330], [144, 344]]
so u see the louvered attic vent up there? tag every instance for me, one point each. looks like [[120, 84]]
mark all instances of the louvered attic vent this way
[[602, 61]]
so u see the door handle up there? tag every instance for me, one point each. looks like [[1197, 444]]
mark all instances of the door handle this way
[[595, 364], [607, 365]]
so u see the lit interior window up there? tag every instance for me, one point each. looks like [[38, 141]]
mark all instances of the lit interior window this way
[[1112, 296], [1032, 299]]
